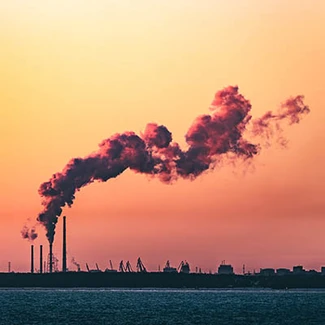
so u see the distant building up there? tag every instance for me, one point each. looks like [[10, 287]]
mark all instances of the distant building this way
[[283, 271], [323, 270], [184, 267], [225, 269], [298, 269], [311, 272], [267, 272], [169, 269]]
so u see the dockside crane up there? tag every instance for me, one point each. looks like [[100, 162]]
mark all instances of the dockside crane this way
[[128, 267], [93, 271], [140, 266], [111, 269], [122, 267]]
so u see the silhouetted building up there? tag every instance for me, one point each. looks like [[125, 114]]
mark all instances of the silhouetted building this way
[[267, 272], [298, 269], [169, 269], [323, 270], [283, 271], [225, 269], [184, 267]]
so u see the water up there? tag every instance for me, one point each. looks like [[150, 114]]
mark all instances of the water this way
[[161, 307]]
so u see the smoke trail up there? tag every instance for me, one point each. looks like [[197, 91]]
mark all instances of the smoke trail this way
[[269, 126], [29, 233], [211, 136]]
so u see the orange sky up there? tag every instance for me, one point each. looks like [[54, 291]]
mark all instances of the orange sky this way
[[75, 72]]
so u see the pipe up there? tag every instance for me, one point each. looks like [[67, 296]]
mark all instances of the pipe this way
[[64, 252], [32, 259], [41, 259], [51, 258]]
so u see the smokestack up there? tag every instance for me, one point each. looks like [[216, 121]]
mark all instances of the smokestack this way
[[41, 259], [64, 252], [51, 257], [32, 259]]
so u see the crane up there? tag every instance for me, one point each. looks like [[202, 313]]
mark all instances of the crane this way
[[111, 268], [140, 266], [93, 271], [122, 267], [128, 267]]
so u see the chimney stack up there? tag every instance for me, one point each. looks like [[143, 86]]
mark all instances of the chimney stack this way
[[41, 259], [51, 258], [32, 259], [64, 252]]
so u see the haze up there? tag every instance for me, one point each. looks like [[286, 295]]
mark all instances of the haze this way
[[73, 73]]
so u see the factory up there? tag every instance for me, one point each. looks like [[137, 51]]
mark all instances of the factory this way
[[51, 265]]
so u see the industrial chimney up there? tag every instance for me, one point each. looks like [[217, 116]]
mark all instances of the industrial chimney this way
[[32, 259], [51, 258], [64, 252], [41, 259]]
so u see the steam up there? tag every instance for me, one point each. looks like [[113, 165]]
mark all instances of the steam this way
[[211, 137]]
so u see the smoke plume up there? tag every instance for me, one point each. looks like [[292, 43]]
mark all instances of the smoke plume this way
[[29, 233], [210, 138]]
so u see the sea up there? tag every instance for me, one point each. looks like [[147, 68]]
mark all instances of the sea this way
[[161, 306]]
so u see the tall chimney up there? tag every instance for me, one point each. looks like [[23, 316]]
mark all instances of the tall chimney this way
[[41, 259], [51, 258], [64, 252], [32, 259]]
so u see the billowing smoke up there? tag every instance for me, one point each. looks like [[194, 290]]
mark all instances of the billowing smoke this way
[[29, 233], [210, 138]]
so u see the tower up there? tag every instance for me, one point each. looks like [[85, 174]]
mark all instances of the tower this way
[[32, 259], [64, 248], [41, 259]]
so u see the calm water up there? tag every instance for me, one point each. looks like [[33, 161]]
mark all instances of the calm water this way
[[118, 306]]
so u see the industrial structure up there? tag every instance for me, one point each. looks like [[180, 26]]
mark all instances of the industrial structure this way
[[51, 265], [64, 246], [32, 259], [169, 269], [225, 268]]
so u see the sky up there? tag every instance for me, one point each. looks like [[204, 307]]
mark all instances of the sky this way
[[73, 73]]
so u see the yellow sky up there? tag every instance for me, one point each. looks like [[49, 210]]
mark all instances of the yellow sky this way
[[75, 72]]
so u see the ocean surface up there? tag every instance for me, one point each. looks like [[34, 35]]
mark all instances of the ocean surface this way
[[161, 306]]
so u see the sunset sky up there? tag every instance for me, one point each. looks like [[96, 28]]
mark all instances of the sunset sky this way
[[74, 72]]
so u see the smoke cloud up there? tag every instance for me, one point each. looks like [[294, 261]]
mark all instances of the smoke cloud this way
[[29, 233], [210, 137]]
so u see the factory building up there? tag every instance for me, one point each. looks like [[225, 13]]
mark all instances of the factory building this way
[[267, 272], [225, 268], [282, 271], [298, 270]]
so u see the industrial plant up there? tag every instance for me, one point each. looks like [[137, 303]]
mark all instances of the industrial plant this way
[[52, 265], [48, 274]]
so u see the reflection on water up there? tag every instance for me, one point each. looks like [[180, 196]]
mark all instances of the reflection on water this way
[[161, 306]]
